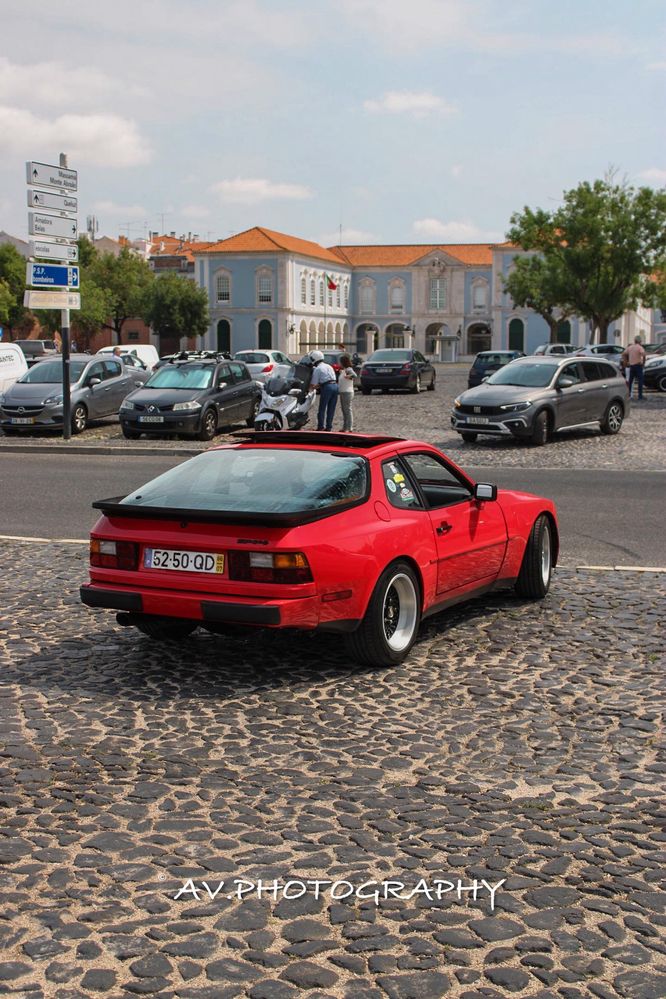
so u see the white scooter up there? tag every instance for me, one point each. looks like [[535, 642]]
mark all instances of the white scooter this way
[[286, 401]]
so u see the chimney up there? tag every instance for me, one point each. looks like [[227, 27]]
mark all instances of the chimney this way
[[173, 234], [189, 237], [195, 237]]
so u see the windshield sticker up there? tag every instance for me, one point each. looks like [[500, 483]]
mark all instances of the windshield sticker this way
[[398, 478], [406, 494], [391, 485]]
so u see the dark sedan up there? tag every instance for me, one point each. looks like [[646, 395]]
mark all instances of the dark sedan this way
[[397, 368], [488, 361]]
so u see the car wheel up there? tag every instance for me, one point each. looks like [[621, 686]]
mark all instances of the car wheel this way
[[661, 383], [164, 630], [416, 387], [537, 568], [431, 387], [391, 622], [79, 418], [613, 418], [540, 429], [468, 436], [208, 426], [365, 391], [255, 409], [131, 435]]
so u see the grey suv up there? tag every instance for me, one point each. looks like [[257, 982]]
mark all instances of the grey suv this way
[[532, 397]]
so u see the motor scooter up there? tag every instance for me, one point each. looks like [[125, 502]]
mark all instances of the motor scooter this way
[[286, 401]]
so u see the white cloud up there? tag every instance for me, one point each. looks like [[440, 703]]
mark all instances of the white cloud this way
[[251, 190], [121, 211], [195, 211], [418, 104], [99, 139], [349, 236], [653, 175], [656, 66], [456, 170], [55, 83], [434, 231]]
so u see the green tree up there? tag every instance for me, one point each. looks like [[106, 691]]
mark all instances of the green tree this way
[[93, 314], [12, 272], [600, 247], [127, 281], [178, 307], [536, 283], [6, 302]]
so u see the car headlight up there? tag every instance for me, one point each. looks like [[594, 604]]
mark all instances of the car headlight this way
[[656, 362], [126, 404], [193, 404], [457, 403], [53, 400], [515, 407]]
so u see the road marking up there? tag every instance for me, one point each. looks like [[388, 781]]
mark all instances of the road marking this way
[[623, 568], [46, 541]]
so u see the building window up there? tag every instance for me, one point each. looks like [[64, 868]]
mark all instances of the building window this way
[[437, 293], [330, 298], [322, 299], [313, 292], [347, 297], [397, 297], [516, 334], [367, 297], [304, 290], [337, 295], [223, 288], [479, 296], [264, 287]]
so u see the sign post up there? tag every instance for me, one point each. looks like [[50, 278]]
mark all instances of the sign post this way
[[55, 226]]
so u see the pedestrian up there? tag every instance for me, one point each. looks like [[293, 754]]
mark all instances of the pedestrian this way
[[323, 377], [346, 392], [634, 359], [117, 352]]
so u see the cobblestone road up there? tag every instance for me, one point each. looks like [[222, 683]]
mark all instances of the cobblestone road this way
[[641, 444], [518, 742]]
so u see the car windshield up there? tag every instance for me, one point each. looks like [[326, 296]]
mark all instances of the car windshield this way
[[484, 360], [192, 376], [251, 357], [391, 355], [529, 375], [50, 372], [257, 480]]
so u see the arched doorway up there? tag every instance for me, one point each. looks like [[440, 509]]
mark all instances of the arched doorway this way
[[265, 334], [224, 336], [564, 331], [366, 338], [396, 335], [516, 334], [478, 338]]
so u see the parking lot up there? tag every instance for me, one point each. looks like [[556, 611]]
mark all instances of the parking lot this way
[[519, 745]]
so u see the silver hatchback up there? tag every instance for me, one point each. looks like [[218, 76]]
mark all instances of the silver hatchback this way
[[264, 364], [533, 397]]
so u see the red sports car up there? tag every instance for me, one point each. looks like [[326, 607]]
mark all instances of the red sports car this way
[[337, 532]]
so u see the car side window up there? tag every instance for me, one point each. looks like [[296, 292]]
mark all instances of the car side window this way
[[240, 372], [571, 371], [398, 489], [419, 357], [112, 369], [439, 485], [223, 375], [592, 371], [95, 371], [608, 371]]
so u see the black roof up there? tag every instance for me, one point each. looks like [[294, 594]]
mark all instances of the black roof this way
[[324, 438]]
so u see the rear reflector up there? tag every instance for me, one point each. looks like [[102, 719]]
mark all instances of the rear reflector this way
[[267, 567], [106, 554], [328, 598]]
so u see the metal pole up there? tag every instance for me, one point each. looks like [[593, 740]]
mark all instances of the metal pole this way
[[66, 400]]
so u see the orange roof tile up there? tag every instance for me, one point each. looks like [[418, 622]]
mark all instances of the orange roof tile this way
[[260, 240], [405, 255]]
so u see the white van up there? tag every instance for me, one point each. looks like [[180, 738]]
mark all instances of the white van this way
[[12, 364], [144, 351]]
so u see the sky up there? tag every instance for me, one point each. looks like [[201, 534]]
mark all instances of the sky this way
[[388, 121]]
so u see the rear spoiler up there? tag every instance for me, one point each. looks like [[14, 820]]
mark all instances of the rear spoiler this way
[[114, 507]]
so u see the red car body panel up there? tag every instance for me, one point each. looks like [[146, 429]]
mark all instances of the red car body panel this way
[[456, 550]]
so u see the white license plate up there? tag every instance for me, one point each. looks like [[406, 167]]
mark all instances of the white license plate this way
[[23, 419], [178, 561], [384, 371], [478, 419], [151, 419]]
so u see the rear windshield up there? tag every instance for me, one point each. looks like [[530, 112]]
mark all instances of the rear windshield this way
[[530, 375], [257, 481], [191, 376], [250, 357], [484, 360], [50, 372], [391, 355]]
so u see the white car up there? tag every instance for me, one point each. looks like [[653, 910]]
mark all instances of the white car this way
[[554, 348], [13, 364], [264, 364], [609, 351], [144, 351]]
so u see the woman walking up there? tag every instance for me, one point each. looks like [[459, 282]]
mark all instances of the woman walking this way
[[346, 392]]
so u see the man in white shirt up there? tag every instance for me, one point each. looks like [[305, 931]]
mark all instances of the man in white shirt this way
[[634, 359], [323, 377]]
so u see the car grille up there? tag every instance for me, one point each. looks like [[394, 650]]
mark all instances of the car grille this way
[[152, 408], [481, 410], [22, 410]]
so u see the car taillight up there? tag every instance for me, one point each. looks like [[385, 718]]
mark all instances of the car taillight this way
[[267, 567], [269, 367], [406, 368], [113, 554], [365, 371]]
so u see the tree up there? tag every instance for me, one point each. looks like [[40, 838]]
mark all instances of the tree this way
[[126, 280], [12, 273], [6, 302], [601, 244], [178, 307], [536, 283]]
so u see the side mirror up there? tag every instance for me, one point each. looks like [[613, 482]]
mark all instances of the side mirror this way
[[222, 385], [565, 383], [485, 491], [485, 378], [94, 381]]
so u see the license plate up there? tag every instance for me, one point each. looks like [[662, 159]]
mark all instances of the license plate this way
[[384, 371], [23, 419], [178, 561], [151, 419], [478, 419]]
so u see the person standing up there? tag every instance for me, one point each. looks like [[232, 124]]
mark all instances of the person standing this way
[[634, 359], [323, 378], [346, 393]]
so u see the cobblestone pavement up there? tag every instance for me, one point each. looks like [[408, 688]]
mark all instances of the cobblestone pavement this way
[[641, 444], [519, 741]]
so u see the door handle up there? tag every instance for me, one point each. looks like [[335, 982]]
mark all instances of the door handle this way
[[444, 527]]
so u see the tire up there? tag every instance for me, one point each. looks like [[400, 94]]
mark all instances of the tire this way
[[131, 435], [613, 418], [380, 640], [164, 630], [79, 418], [208, 426], [537, 568], [540, 429], [468, 436], [661, 383], [431, 387], [416, 388], [365, 391], [255, 409]]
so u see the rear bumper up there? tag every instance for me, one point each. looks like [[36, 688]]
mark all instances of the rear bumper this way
[[388, 381]]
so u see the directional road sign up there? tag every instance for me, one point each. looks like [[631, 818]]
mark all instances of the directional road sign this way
[[44, 199], [49, 175], [52, 276], [40, 224], [53, 251], [52, 299]]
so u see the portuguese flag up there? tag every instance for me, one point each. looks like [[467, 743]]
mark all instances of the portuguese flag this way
[[330, 283]]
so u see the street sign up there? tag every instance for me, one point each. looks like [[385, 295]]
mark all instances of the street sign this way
[[40, 224], [49, 175], [52, 299], [52, 276], [53, 251], [44, 199]]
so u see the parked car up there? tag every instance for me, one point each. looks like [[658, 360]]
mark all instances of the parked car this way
[[554, 348], [36, 350], [98, 386], [241, 535], [191, 355], [397, 368], [488, 361], [264, 364], [146, 352], [194, 397], [655, 348], [332, 357], [13, 364], [533, 397], [654, 372], [609, 351]]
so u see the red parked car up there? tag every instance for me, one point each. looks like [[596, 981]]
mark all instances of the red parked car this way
[[337, 532]]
